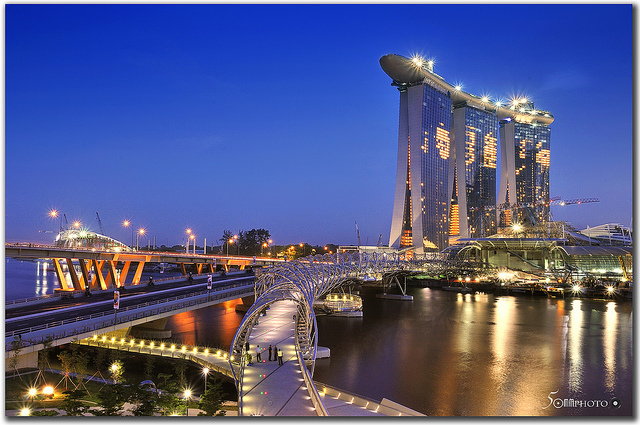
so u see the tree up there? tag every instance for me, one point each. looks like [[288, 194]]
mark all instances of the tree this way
[[148, 366], [111, 399], [252, 240], [211, 401], [168, 401], [147, 401], [72, 403]]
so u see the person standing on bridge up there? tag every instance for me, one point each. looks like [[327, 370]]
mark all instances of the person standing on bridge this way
[[270, 349], [258, 356], [280, 355]]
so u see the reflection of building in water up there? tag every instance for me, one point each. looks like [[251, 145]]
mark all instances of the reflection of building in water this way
[[81, 238]]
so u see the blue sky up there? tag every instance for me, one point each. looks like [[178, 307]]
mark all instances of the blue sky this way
[[216, 117]]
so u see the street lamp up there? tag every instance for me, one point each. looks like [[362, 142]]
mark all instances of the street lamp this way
[[228, 242], [54, 214], [140, 232], [193, 238], [126, 224], [235, 237], [187, 397], [188, 234], [205, 372]]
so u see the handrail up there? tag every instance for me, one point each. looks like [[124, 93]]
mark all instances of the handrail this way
[[321, 410]]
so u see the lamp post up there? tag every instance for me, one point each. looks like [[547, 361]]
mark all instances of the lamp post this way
[[235, 237], [140, 232], [187, 397], [54, 214], [126, 224], [228, 242], [193, 238], [205, 372], [188, 234]]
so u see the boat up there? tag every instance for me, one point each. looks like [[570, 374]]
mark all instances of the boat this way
[[343, 305], [458, 287]]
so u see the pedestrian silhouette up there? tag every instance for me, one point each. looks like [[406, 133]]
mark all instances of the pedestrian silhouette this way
[[270, 352], [280, 354], [258, 351]]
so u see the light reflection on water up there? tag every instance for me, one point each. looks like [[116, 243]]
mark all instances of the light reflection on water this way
[[482, 355], [447, 354]]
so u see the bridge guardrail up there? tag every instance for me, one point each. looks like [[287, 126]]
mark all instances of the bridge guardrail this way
[[194, 299]]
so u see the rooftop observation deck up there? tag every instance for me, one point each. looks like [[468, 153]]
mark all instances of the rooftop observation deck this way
[[407, 72]]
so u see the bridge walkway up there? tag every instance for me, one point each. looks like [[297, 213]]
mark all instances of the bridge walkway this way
[[272, 390]]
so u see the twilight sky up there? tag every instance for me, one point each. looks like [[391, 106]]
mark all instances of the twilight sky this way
[[216, 117]]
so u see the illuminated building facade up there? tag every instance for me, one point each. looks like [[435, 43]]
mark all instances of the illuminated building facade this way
[[447, 158], [524, 179], [475, 154]]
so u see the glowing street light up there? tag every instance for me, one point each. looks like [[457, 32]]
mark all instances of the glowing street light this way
[[126, 224], [53, 213], [187, 397], [25, 411], [188, 235], [140, 232], [205, 372]]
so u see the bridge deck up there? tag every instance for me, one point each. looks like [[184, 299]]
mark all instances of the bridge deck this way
[[273, 390]]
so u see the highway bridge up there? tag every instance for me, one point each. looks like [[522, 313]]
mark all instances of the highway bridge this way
[[80, 268], [32, 326]]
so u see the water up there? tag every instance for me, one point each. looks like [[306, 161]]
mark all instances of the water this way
[[34, 278], [445, 354]]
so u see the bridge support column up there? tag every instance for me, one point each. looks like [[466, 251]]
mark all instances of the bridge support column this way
[[60, 275], [123, 272], [136, 276], [152, 330], [77, 282], [97, 265]]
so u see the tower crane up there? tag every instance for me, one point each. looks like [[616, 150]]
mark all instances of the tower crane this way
[[66, 222]]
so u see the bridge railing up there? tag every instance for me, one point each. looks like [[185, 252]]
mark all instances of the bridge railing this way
[[308, 380], [126, 314]]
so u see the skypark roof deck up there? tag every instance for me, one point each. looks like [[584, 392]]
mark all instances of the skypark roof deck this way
[[408, 72]]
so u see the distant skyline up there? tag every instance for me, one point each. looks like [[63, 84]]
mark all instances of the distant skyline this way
[[216, 117]]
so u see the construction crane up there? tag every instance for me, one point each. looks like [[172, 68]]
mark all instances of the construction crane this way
[[528, 206], [66, 221], [379, 241], [100, 223], [358, 233]]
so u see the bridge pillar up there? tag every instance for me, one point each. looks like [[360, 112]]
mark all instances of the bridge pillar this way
[[152, 330], [60, 274], [77, 281]]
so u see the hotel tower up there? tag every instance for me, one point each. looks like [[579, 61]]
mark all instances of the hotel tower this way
[[447, 160]]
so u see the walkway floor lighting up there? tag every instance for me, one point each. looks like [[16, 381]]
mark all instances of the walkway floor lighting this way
[[25, 411]]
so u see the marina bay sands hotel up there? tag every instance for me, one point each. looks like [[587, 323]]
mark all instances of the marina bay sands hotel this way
[[447, 160]]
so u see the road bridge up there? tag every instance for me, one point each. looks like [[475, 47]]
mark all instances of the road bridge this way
[[39, 326], [82, 268]]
